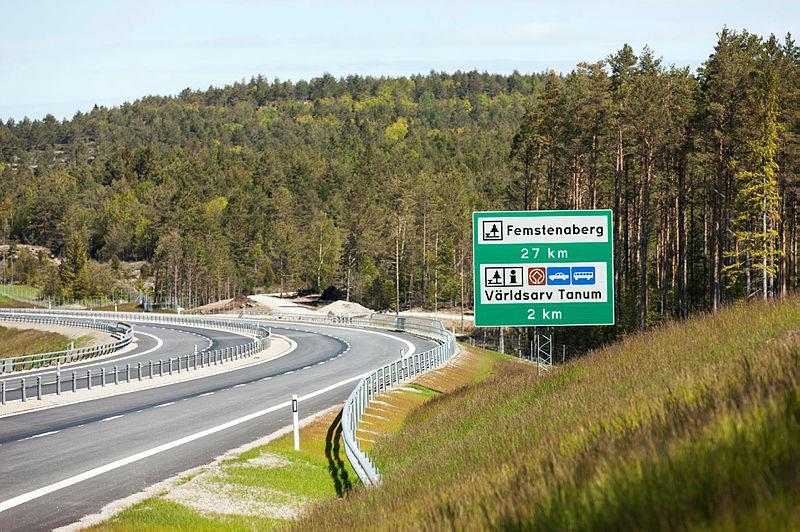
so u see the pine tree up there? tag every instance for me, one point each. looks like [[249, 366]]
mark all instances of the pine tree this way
[[755, 226], [74, 271]]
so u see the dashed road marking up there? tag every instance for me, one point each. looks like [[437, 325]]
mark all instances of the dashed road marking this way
[[110, 418], [164, 404], [111, 466], [40, 435]]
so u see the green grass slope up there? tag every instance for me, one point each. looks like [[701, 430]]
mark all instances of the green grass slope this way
[[693, 425]]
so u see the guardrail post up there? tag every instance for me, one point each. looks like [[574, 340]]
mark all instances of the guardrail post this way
[[116, 375], [39, 388], [150, 368], [22, 387], [58, 378], [160, 368], [103, 377], [3, 392], [170, 364], [139, 370], [74, 382], [89, 379], [128, 372]]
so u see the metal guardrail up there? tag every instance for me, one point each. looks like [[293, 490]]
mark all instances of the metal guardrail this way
[[367, 389], [231, 323], [403, 369], [386, 377], [122, 332], [40, 386]]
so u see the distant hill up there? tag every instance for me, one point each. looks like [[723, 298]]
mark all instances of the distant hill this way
[[367, 184]]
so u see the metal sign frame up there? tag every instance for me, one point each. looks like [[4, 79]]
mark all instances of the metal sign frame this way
[[543, 268]]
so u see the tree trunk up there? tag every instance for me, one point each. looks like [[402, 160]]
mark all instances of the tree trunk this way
[[683, 291], [644, 233]]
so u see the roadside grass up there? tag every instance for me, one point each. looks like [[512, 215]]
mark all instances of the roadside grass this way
[[274, 481], [156, 514], [691, 425], [274, 477], [18, 291], [388, 413], [16, 342], [6, 302], [121, 307]]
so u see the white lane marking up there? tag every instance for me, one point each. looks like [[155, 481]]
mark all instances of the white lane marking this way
[[410, 347], [164, 404], [204, 394], [65, 368], [289, 372], [40, 435], [116, 464], [292, 347], [266, 378], [240, 385], [110, 418]]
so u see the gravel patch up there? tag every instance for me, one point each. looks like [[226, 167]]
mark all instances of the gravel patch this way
[[268, 461], [207, 495]]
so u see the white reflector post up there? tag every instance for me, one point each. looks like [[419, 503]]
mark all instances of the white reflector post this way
[[295, 423]]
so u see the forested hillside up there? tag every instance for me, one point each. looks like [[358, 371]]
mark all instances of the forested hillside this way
[[368, 183]]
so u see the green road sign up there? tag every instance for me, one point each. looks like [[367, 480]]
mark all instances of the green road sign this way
[[543, 268]]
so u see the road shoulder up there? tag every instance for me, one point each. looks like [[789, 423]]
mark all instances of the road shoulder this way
[[266, 483]]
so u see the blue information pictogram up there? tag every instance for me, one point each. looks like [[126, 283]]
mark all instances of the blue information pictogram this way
[[583, 275], [558, 275]]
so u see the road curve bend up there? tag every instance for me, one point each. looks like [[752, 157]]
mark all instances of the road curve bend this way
[[62, 463]]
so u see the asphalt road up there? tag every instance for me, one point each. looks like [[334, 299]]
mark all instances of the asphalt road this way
[[60, 464], [154, 342]]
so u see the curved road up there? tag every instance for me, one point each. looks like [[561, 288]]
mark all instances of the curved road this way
[[154, 341], [60, 464]]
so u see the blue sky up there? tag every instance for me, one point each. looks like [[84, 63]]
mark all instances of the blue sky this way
[[62, 56]]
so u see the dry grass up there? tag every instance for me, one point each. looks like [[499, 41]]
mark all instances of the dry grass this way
[[121, 307], [388, 413], [16, 342], [693, 425], [6, 302]]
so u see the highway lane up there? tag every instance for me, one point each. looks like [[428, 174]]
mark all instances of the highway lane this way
[[154, 342], [42, 448]]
